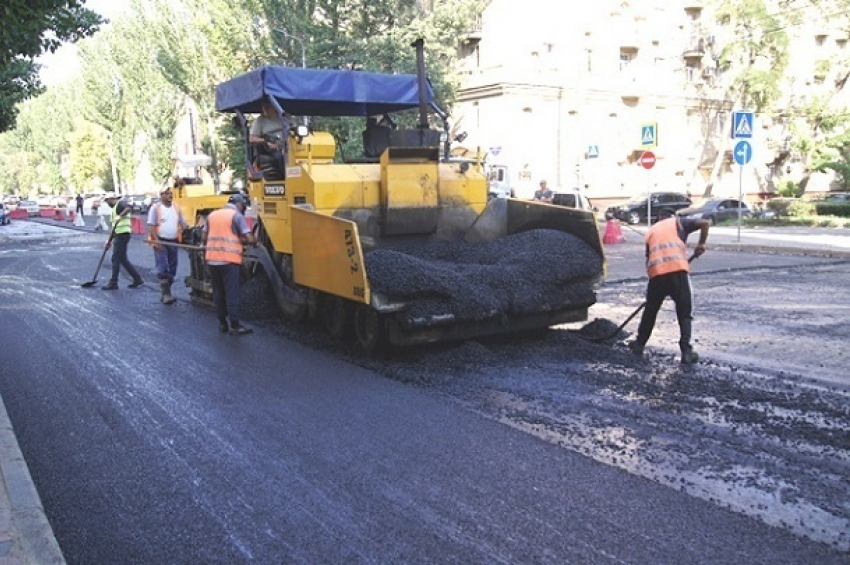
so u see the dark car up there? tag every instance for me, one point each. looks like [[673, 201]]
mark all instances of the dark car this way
[[838, 197], [635, 210], [716, 210]]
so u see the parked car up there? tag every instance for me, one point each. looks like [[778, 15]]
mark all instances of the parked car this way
[[31, 206], [572, 199], [137, 203], [4, 216], [635, 210], [716, 210], [839, 197]]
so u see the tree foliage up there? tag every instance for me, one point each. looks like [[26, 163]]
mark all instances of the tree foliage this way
[[163, 58], [32, 27], [88, 155]]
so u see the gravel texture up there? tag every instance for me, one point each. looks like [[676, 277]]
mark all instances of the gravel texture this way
[[476, 281]]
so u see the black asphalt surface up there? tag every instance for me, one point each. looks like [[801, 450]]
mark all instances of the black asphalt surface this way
[[152, 438]]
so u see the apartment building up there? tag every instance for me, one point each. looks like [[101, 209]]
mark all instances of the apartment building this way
[[569, 92]]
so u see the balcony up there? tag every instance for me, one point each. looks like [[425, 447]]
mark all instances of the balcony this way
[[695, 49], [473, 35]]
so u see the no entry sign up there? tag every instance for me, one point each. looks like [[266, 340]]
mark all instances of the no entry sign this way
[[647, 159]]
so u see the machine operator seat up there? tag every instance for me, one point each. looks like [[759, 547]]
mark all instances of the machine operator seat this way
[[270, 165]]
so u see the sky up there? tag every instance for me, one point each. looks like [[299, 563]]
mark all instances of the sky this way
[[58, 67]]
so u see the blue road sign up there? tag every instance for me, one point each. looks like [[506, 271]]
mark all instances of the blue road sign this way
[[592, 151], [649, 135], [743, 152], [742, 125]]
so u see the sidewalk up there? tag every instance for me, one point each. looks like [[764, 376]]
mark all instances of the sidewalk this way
[[812, 242], [26, 537]]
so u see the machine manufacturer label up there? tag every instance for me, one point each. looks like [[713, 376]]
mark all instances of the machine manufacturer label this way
[[274, 190], [293, 172]]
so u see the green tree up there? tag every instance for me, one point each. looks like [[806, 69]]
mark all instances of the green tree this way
[[753, 65], [32, 27], [820, 126], [88, 155], [43, 127], [17, 167], [104, 101]]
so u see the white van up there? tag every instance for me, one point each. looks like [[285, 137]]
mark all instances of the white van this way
[[572, 199]]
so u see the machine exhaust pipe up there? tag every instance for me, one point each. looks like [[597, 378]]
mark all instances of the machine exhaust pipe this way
[[419, 44]]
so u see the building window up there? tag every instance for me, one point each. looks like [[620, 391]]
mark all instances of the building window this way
[[625, 60]]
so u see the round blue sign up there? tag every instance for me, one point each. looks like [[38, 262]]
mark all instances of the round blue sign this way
[[743, 152]]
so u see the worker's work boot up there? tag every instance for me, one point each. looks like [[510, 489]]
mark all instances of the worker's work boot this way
[[689, 356], [110, 286], [136, 284], [636, 347], [238, 329], [166, 297], [223, 327]]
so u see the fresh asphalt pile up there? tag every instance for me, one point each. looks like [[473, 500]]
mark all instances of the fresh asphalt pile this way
[[528, 272]]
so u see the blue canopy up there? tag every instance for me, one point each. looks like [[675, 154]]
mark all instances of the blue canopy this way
[[319, 92]]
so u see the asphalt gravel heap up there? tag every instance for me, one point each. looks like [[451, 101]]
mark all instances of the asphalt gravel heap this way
[[524, 273]]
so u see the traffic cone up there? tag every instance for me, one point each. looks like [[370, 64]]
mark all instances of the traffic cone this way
[[613, 232]]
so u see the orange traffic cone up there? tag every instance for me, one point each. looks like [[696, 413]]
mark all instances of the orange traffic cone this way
[[613, 232]]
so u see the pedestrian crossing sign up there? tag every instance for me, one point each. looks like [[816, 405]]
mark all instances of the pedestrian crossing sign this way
[[742, 125], [648, 135]]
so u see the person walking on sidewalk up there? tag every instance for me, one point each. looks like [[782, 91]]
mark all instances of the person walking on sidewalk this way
[[165, 224], [668, 269], [120, 220], [79, 205], [226, 232]]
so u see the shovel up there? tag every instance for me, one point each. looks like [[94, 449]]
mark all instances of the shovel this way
[[92, 282]]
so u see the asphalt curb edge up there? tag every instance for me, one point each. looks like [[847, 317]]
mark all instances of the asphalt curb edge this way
[[32, 536], [780, 250]]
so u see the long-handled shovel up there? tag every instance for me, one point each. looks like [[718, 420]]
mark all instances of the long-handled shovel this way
[[99, 263]]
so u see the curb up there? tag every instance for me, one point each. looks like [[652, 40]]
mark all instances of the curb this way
[[777, 250], [31, 536]]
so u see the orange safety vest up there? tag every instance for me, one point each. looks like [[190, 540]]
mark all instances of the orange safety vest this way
[[180, 222], [667, 252], [222, 244]]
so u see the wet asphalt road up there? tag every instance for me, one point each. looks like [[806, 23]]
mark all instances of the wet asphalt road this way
[[152, 438]]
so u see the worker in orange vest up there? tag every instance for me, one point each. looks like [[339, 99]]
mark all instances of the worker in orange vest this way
[[226, 232], [668, 268]]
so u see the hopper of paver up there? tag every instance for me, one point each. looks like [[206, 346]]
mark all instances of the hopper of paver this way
[[520, 266]]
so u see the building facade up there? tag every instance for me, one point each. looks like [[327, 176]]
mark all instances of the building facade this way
[[577, 98]]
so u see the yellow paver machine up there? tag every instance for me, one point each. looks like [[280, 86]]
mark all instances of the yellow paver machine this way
[[398, 246]]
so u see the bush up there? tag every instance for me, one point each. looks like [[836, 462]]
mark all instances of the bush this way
[[780, 205], [839, 209], [790, 189], [801, 208]]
